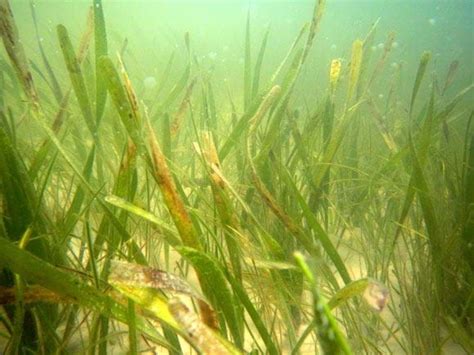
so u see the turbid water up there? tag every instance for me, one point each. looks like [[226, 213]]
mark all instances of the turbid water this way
[[298, 176], [154, 29]]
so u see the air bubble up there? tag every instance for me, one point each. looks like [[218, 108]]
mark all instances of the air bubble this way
[[149, 82], [376, 295], [212, 55]]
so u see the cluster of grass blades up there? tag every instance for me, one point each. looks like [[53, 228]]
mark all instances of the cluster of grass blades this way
[[284, 233]]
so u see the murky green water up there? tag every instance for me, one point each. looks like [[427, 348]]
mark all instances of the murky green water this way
[[299, 175], [154, 29]]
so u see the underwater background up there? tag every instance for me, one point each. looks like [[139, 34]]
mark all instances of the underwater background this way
[[217, 29], [282, 177]]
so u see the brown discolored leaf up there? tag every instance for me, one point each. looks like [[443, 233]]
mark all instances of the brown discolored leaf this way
[[201, 335]]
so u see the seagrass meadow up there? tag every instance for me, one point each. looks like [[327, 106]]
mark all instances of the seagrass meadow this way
[[236, 177]]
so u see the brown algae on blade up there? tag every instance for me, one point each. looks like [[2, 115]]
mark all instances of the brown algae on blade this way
[[31, 294], [121, 100], [453, 68], [183, 108], [132, 97], [145, 276], [16, 52], [173, 201], [85, 40], [222, 200], [267, 102], [386, 51], [139, 282], [265, 194], [318, 12]]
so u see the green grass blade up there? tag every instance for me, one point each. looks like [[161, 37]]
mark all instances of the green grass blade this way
[[10, 74], [334, 144], [331, 338], [47, 81], [2, 91], [254, 315], [77, 78], [356, 64], [19, 197], [424, 60], [73, 212], [424, 140], [290, 52], [178, 87], [375, 294], [258, 65], [19, 318], [468, 191], [100, 38], [232, 140], [352, 289], [165, 75], [247, 66], [56, 89], [424, 194], [468, 223], [214, 285], [170, 234], [70, 162], [322, 236], [65, 285]]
